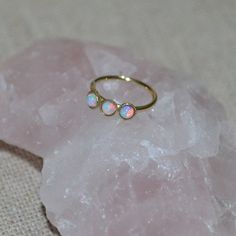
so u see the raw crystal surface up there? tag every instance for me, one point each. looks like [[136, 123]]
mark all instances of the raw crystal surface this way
[[168, 171]]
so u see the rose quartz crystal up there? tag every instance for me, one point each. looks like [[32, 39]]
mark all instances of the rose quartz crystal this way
[[171, 170]]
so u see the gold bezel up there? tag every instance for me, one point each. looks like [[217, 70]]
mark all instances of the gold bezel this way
[[111, 101], [97, 97], [127, 104]]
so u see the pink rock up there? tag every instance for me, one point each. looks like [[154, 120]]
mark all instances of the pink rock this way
[[168, 171]]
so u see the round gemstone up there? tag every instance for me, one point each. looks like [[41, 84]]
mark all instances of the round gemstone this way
[[92, 100], [127, 111], [109, 107]]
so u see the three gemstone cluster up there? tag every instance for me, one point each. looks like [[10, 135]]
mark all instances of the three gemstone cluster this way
[[110, 107]]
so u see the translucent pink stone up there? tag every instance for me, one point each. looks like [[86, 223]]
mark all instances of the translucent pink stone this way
[[170, 171]]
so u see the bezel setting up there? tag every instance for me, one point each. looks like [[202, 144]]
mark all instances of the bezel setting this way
[[95, 97], [109, 102], [127, 114]]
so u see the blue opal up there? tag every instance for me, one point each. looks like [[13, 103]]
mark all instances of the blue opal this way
[[127, 111]]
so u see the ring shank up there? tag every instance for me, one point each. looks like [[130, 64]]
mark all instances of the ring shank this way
[[127, 79]]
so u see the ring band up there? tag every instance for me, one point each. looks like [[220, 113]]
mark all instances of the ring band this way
[[109, 107]]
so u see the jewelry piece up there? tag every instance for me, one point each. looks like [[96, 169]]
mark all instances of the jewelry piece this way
[[109, 106]]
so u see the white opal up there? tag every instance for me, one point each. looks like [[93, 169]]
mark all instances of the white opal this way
[[109, 107], [92, 100]]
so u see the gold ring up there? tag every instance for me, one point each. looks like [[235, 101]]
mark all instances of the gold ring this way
[[110, 107]]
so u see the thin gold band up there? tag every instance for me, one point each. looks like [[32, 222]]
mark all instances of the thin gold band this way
[[127, 79], [130, 109]]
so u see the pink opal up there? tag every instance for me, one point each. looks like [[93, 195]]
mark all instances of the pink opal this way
[[169, 171]]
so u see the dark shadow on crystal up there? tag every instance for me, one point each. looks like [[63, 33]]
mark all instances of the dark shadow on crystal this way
[[50, 226], [33, 160]]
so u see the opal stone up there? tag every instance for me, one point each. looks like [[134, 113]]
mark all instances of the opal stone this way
[[109, 107], [127, 111], [92, 100]]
